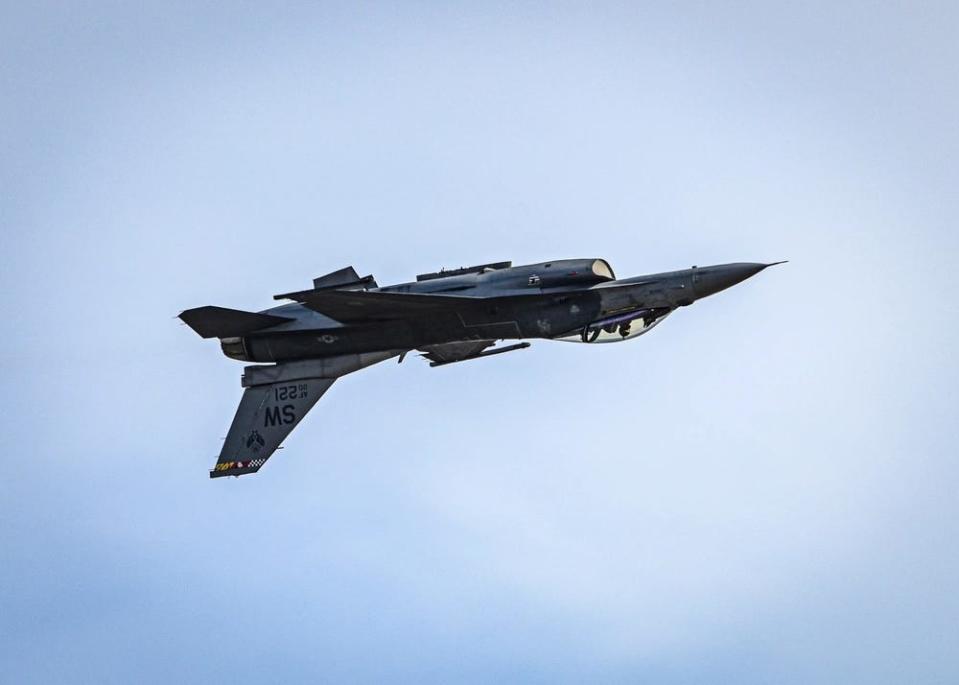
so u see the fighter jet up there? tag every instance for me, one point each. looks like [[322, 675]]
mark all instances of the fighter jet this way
[[345, 323]]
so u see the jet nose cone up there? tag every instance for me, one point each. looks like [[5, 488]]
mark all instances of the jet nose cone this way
[[711, 279]]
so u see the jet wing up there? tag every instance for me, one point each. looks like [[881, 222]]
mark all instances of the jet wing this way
[[360, 305], [371, 305]]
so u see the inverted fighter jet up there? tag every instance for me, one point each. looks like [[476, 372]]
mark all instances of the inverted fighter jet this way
[[346, 322]]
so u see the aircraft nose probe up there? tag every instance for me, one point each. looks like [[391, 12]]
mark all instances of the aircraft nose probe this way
[[711, 280]]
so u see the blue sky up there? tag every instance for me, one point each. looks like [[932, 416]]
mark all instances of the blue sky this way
[[761, 490]]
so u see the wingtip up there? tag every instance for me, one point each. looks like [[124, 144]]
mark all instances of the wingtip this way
[[785, 261]]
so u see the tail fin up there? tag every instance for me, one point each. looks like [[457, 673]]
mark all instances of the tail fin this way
[[276, 397], [263, 421], [220, 322]]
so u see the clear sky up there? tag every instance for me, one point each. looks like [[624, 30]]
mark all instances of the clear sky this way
[[763, 490]]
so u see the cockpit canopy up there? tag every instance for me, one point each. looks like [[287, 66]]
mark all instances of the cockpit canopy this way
[[602, 269], [570, 272]]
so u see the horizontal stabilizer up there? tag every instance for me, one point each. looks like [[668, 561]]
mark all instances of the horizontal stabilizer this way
[[220, 322]]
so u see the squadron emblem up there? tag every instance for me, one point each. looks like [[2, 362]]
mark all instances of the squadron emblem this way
[[254, 438]]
